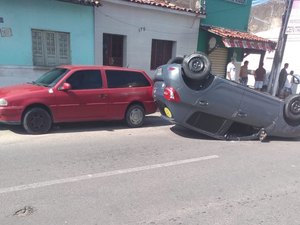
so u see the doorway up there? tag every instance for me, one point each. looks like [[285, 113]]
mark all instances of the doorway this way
[[113, 46]]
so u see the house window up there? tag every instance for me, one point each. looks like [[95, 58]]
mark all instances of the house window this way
[[113, 50], [50, 48], [161, 52]]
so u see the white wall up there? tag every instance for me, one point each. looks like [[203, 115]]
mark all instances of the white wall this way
[[291, 52], [125, 18]]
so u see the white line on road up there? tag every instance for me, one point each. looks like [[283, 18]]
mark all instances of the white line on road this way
[[104, 174]]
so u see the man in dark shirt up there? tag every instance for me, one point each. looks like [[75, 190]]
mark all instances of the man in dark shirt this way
[[259, 75], [282, 78]]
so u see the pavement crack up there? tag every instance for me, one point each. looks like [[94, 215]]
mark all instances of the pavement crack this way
[[25, 211]]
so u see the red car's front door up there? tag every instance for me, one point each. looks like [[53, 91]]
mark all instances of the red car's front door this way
[[85, 101]]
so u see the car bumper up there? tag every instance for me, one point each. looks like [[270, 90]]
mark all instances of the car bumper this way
[[173, 112], [10, 115], [150, 107]]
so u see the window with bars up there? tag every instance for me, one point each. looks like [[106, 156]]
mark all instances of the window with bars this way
[[50, 48], [161, 52]]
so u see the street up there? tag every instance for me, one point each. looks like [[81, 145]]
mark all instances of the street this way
[[104, 173]]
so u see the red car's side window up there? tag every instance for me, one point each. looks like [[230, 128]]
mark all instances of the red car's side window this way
[[125, 79], [85, 79]]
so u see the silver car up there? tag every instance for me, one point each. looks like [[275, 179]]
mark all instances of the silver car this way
[[187, 94]]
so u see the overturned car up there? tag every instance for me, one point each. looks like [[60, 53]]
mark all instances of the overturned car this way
[[187, 94]]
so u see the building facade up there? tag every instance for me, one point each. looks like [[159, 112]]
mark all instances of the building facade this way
[[142, 35], [39, 34], [224, 34], [266, 21]]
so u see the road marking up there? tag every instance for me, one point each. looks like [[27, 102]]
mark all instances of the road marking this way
[[104, 174]]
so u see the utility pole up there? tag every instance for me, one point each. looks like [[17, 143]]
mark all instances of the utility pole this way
[[274, 75]]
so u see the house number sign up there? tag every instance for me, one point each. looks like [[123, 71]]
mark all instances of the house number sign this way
[[5, 32]]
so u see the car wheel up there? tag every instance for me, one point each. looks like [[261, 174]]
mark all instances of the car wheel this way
[[135, 116], [177, 60], [37, 121], [196, 66], [292, 107]]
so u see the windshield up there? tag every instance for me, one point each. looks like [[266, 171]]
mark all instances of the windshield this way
[[50, 78]]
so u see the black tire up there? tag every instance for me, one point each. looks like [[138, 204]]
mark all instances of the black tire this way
[[135, 116], [37, 121], [292, 108], [196, 66], [177, 60]]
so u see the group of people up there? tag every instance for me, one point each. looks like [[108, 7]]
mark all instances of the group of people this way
[[285, 82], [259, 74]]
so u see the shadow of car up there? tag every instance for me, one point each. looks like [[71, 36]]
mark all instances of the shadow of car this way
[[187, 94]]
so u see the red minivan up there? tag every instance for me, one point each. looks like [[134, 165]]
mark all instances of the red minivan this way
[[78, 93]]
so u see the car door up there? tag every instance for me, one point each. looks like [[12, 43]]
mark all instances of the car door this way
[[215, 107], [258, 109], [125, 87], [222, 98], [86, 100]]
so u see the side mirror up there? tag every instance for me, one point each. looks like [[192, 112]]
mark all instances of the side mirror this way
[[65, 87]]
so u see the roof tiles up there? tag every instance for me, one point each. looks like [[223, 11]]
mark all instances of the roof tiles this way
[[167, 4], [227, 33]]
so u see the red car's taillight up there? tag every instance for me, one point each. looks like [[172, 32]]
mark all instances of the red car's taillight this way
[[171, 94]]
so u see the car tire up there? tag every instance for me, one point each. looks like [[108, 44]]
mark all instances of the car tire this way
[[37, 121], [196, 66], [176, 60], [135, 116], [292, 108]]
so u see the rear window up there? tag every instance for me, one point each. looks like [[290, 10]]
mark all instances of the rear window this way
[[125, 79]]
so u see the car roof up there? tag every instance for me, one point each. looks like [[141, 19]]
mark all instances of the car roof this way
[[76, 67]]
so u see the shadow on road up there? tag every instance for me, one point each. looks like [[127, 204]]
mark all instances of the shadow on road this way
[[187, 133], [153, 120]]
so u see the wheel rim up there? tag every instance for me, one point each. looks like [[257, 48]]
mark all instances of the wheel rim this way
[[295, 107], [37, 122], [136, 116], [196, 65]]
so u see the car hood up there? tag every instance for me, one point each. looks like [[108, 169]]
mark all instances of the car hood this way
[[20, 89]]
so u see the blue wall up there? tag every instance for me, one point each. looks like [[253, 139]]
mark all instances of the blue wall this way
[[23, 15], [222, 13]]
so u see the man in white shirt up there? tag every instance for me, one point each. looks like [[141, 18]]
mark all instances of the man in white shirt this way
[[287, 88], [230, 71]]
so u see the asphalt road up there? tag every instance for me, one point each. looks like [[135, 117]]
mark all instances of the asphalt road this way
[[108, 174]]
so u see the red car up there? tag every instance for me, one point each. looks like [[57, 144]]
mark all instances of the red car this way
[[78, 93]]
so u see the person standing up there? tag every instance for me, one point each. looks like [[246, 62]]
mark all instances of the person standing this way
[[259, 76], [282, 78], [244, 74], [287, 90], [230, 70]]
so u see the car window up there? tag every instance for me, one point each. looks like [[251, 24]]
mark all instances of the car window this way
[[124, 79], [85, 79], [50, 78]]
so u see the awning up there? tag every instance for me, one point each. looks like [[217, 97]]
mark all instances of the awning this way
[[239, 39], [237, 43]]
